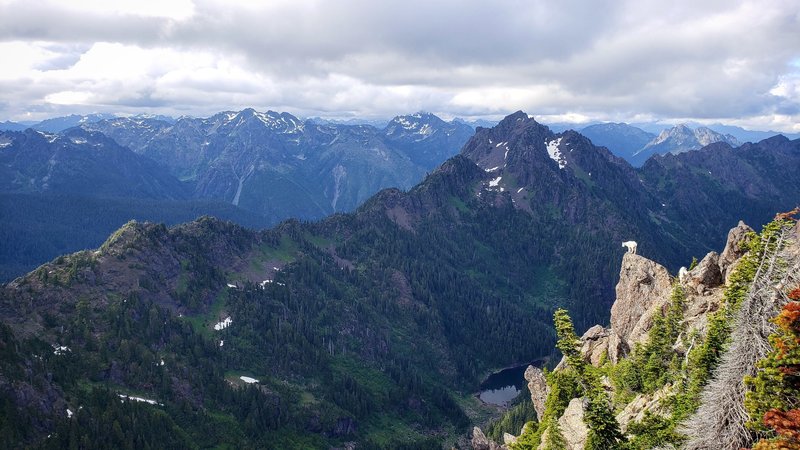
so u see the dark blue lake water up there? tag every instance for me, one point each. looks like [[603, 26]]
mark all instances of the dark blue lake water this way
[[501, 387]]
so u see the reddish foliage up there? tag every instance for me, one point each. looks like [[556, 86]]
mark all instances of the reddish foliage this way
[[779, 444], [785, 423], [789, 318], [789, 215], [790, 370], [795, 294]]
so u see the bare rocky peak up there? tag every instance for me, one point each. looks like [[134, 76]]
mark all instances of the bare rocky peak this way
[[734, 248], [683, 138], [643, 288], [481, 442], [679, 139], [537, 385]]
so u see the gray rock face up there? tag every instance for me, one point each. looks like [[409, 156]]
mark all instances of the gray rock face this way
[[706, 275], [734, 247], [595, 344], [572, 426], [481, 442], [538, 387], [643, 287], [616, 347], [653, 403]]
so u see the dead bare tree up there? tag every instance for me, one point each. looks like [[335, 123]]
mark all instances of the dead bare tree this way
[[719, 422]]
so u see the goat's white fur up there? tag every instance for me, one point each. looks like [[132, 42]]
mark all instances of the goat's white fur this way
[[630, 245]]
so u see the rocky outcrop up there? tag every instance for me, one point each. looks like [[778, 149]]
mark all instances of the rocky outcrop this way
[[643, 288], [572, 426], [595, 344], [734, 248], [706, 275], [537, 385], [635, 410], [643, 292], [481, 442]]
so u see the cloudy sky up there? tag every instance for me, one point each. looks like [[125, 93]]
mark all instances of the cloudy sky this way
[[736, 62]]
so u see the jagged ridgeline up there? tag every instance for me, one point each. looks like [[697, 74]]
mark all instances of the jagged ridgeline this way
[[705, 360], [374, 327]]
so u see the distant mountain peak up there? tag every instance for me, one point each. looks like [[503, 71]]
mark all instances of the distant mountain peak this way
[[681, 138], [516, 117], [275, 121]]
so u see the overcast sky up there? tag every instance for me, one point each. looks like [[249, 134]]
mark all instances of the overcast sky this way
[[736, 62]]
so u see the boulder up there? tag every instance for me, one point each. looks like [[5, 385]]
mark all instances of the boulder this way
[[537, 385], [644, 287], [617, 348], [653, 403], [509, 439], [481, 442], [707, 275], [572, 426], [734, 247], [595, 344]]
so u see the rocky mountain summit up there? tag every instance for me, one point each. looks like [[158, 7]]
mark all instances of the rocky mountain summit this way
[[679, 139]]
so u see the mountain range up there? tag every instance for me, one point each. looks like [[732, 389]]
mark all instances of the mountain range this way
[[372, 327], [270, 166], [277, 166], [678, 139], [636, 145]]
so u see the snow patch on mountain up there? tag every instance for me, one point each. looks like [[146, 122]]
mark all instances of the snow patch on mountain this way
[[555, 153], [224, 324], [139, 399]]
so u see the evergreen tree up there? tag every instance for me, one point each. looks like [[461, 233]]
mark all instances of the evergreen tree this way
[[604, 432], [555, 438]]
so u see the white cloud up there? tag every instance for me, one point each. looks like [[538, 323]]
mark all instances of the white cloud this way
[[615, 60]]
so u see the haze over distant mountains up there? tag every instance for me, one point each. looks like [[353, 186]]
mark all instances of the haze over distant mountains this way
[[251, 167], [258, 167]]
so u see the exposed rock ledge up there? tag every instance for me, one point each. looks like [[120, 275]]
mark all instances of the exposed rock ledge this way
[[537, 386], [644, 289]]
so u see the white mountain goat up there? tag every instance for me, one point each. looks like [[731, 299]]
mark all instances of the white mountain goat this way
[[630, 245], [682, 274]]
